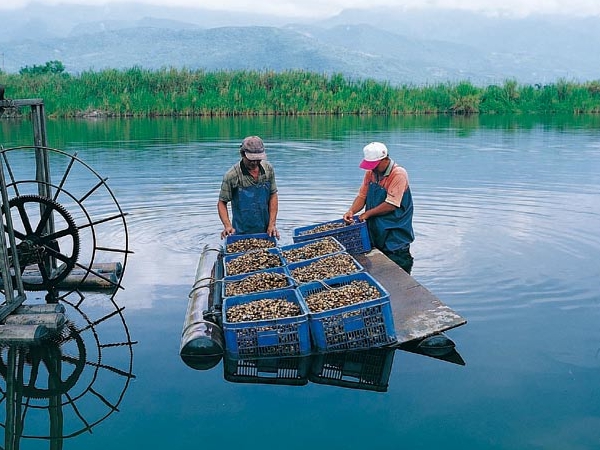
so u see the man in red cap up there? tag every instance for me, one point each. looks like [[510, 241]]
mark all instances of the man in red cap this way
[[251, 188], [385, 195]]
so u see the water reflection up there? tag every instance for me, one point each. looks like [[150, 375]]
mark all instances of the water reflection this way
[[368, 370], [365, 369], [66, 385], [291, 371], [449, 355], [362, 369]]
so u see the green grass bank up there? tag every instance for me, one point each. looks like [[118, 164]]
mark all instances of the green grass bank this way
[[137, 92]]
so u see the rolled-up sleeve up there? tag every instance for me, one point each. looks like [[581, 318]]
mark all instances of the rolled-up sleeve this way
[[398, 182]]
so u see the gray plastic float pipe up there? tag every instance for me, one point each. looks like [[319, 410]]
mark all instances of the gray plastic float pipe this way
[[202, 342]]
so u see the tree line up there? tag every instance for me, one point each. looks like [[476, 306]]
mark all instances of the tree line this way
[[140, 92]]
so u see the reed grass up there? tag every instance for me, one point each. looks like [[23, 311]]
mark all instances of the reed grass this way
[[142, 92]]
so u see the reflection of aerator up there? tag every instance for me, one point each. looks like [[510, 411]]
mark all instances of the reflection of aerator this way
[[65, 379]]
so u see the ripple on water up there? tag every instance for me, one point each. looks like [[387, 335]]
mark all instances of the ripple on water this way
[[524, 247]]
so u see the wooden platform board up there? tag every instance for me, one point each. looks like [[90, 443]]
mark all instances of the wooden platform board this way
[[417, 312]]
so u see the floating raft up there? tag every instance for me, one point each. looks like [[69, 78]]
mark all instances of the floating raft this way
[[417, 312]]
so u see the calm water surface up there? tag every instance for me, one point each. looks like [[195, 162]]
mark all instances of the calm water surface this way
[[507, 223]]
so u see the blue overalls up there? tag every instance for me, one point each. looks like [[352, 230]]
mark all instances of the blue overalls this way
[[250, 208], [391, 233]]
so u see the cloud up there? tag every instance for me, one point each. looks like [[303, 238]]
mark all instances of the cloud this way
[[319, 8]]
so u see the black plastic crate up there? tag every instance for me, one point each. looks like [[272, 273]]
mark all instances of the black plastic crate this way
[[292, 370], [362, 369]]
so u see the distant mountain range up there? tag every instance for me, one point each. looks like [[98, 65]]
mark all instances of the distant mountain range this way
[[385, 44]]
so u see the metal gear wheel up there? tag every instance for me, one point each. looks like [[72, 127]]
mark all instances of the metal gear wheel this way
[[36, 247]]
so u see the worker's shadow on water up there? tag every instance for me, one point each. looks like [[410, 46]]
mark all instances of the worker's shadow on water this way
[[360, 369], [67, 383]]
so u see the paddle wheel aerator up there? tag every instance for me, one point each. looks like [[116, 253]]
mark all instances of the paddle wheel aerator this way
[[66, 233]]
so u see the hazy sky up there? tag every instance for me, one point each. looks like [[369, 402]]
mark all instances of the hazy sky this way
[[313, 8]]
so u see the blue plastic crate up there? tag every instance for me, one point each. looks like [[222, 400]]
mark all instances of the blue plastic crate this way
[[239, 278], [354, 237], [302, 245], [288, 336], [305, 263], [364, 325], [230, 257], [239, 237]]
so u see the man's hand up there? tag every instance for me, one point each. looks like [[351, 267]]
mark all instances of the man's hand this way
[[227, 231], [273, 232], [349, 217]]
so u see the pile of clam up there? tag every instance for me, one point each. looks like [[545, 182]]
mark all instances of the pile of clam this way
[[257, 282], [330, 226], [312, 250], [263, 309], [247, 244], [330, 298], [326, 267], [252, 261]]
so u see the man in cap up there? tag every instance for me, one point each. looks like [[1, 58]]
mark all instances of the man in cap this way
[[250, 187], [385, 195]]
